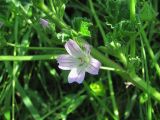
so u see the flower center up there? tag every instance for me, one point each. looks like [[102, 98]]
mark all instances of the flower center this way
[[84, 61]]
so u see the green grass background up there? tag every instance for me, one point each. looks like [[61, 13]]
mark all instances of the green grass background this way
[[125, 38]]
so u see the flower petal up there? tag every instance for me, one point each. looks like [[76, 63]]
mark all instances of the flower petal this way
[[66, 62], [76, 75], [44, 22], [87, 48], [73, 48], [93, 67]]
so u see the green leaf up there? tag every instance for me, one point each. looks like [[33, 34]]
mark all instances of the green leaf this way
[[84, 28], [147, 13], [27, 101], [82, 25], [59, 7], [7, 115], [117, 10]]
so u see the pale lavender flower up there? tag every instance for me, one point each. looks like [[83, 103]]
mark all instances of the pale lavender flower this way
[[78, 61], [44, 22]]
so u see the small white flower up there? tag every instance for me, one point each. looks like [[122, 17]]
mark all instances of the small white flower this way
[[78, 61]]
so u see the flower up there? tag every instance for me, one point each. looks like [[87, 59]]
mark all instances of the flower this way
[[44, 22], [78, 61]]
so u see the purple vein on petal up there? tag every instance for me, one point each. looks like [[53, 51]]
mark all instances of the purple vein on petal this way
[[66, 62], [73, 48]]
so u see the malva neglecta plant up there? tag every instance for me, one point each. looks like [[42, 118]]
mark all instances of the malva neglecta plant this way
[[79, 59]]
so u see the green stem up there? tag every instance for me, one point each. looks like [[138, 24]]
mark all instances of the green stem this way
[[105, 60], [52, 6], [55, 19], [137, 81], [150, 51], [107, 68], [36, 48], [14, 67], [132, 10], [132, 38], [112, 96], [146, 76], [28, 58], [97, 20]]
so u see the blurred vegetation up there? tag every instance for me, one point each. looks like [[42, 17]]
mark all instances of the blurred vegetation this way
[[32, 87]]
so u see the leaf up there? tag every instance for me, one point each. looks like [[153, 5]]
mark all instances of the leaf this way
[[117, 10], [59, 7], [82, 25], [7, 115], [27, 101], [147, 13]]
